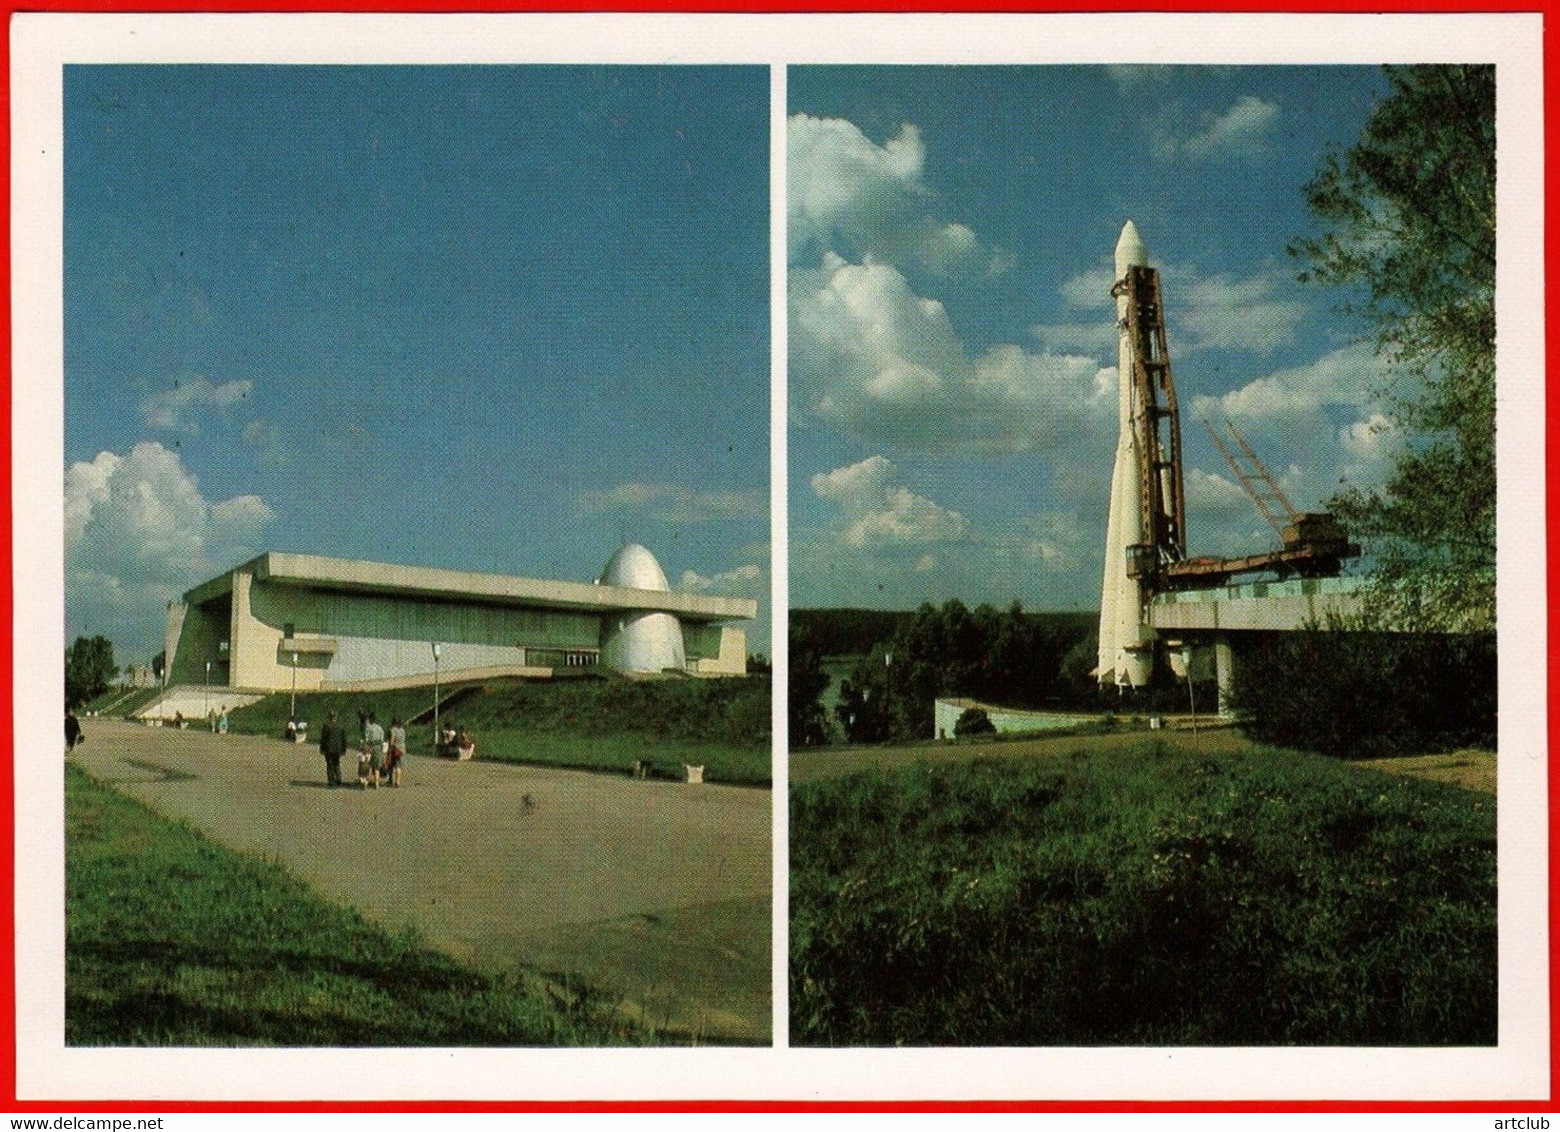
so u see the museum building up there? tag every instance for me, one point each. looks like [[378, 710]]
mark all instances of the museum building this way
[[296, 620]]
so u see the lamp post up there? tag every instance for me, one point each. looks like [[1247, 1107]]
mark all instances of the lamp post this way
[[208, 689], [292, 710], [436, 696]]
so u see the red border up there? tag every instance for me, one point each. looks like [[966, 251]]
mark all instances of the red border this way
[[7, 534]]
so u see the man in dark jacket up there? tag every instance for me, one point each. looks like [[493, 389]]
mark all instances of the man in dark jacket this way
[[333, 744]]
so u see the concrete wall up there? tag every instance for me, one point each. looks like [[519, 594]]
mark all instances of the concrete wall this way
[[730, 657], [1005, 720]]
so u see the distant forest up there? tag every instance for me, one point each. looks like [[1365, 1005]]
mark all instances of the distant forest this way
[[904, 660], [854, 632]]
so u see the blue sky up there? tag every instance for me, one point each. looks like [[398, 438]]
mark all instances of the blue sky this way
[[489, 318], [952, 350]]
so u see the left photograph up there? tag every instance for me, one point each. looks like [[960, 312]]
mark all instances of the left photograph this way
[[417, 556]]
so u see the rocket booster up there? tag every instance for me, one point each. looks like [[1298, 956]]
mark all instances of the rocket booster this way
[[1126, 644]]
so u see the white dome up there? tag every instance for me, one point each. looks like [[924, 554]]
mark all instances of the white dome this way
[[635, 568], [640, 642]]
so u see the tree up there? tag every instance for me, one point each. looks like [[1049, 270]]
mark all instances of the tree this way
[[1408, 219], [809, 726], [89, 669]]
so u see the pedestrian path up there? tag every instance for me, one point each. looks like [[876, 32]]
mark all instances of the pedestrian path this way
[[657, 890]]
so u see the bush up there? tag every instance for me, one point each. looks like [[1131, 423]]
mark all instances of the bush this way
[[973, 721], [1365, 695]]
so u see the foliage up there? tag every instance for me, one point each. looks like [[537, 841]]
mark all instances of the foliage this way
[[973, 721], [847, 632], [89, 669], [1008, 657], [1142, 898], [1408, 216], [172, 940], [1364, 695], [808, 724]]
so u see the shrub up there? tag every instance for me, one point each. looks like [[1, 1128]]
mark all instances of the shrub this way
[[1363, 695], [973, 721]]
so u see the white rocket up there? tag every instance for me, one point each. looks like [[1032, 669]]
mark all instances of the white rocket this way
[[1126, 643]]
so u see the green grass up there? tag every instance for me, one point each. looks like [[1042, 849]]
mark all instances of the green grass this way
[[594, 723], [1142, 898], [119, 702], [172, 940]]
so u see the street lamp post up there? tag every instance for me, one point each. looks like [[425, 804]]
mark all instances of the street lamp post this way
[[292, 710], [208, 689], [435, 696]]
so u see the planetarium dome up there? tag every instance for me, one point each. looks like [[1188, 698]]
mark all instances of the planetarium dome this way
[[635, 568], [640, 642]]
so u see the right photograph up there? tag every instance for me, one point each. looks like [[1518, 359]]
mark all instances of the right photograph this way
[[1142, 555]]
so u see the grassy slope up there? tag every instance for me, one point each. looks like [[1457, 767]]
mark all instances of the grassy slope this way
[[597, 723], [173, 940], [1142, 898], [119, 702]]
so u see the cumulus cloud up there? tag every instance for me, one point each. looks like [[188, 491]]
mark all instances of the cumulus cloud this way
[[172, 408], [674, 503], [1217, 312], [138, 532], [744, 580], [845, 192], [871, 356], [878, 510], [1244, 130], [1372, 444], [1342, 377]]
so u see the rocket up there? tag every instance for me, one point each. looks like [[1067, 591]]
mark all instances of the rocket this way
[[1126, 655]]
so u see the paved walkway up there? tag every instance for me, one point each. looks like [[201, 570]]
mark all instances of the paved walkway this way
[[657, 890]]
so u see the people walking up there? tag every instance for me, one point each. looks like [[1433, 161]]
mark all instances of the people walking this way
[[333, 744], [374, 740], [397, 750]]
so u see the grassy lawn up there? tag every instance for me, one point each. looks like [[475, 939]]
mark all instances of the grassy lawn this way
[[1142, 897], [172, 940], [594, 723]]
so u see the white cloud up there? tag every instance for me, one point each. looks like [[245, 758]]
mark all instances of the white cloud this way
[[880, 511], [870, 356], [1090, 290], [844, 191], [1133, 76], [1372, 445], [1244, 130], [839, 182], [1342, 377], [266, 439], [1216, 312], [170, 408], [746, 579], [674, 503], [138, 532], [1221, 313]]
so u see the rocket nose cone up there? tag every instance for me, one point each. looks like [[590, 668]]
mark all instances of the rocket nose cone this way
[[1130, 251]]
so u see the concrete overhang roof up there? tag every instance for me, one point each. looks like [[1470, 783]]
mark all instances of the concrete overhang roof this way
[[459, 585]]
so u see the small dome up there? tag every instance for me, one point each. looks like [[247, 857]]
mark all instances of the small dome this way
[[635, 568]]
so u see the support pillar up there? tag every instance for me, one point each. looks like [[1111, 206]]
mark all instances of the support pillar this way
[[1224, 672]]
